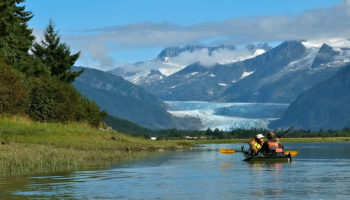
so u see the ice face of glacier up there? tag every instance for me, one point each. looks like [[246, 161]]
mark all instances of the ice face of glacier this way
[[228, 116]]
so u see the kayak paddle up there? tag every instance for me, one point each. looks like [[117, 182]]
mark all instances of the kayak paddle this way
[[227, 151], [292, 153]]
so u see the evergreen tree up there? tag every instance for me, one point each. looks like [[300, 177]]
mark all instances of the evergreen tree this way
[[16, 38], [56, 55]]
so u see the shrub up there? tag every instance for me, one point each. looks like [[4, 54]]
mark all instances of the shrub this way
[[13, 93], [53, 100]]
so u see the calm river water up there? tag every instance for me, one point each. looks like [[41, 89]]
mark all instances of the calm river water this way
[[320, 171]]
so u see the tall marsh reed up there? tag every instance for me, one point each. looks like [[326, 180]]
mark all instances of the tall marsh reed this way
[[29, 146]]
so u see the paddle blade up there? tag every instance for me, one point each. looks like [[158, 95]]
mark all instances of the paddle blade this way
[[227, 151], [292, 153]]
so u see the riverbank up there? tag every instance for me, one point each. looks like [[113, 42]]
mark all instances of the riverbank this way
[[35, 147]]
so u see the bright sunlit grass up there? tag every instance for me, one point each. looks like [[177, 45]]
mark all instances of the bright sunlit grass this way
[[46, 147]]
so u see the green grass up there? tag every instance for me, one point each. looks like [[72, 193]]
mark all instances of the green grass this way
[[51, 147]]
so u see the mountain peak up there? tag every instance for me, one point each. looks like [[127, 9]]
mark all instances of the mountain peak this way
[[325, 55], [288, 49], [291, 44], [169, 52], [325, 48]]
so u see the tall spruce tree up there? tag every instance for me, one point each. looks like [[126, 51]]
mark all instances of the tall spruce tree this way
[[15, 37], [56, 56]]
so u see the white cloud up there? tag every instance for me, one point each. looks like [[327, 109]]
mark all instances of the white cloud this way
[[221, 56], [331, 22], [38, 34], [174, 64]]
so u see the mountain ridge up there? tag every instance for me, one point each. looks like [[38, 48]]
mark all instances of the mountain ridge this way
[[278, 76], [324, 106], [122, 99]]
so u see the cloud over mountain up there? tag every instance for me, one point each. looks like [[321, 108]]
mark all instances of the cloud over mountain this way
[[314, 24]]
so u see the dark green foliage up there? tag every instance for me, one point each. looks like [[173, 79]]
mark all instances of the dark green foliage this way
[[128, 127], [15, 36], [13, 93], [38, 85], [90, 111], [56, 56], [52, 100], [16, 39], [41, 103]]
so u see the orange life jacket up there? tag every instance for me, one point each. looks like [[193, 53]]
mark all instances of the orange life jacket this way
[[272, 145]]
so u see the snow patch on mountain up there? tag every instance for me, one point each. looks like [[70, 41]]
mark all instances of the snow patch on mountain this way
[[170, 67], [178, 59], [222, 84], [313, 48], [246, 74]]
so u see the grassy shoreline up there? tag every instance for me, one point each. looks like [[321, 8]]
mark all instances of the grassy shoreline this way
[[34, 147]]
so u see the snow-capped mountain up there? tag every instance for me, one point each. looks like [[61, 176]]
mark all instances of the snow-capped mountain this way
[[293, 68], [139, 77], [277, 75], [174, 59]]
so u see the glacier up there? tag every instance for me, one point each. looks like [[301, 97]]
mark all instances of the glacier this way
[[228, 116]]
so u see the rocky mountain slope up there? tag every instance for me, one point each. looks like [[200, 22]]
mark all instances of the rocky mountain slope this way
[[324, 106], [122, 99]]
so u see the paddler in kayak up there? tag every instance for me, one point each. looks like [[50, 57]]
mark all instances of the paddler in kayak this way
[[273, 144], [264, 147], [257, 145]]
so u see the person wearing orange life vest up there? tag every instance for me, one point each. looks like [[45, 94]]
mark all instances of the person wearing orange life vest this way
[[274, 144]]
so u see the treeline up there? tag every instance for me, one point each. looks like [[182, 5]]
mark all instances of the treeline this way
[[133, 129], [35, 78], [125, 126], [242, 133]]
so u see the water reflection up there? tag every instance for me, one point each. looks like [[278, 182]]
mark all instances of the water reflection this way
[[269, 178], [227, 164]]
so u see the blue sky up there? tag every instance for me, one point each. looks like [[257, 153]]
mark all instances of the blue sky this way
[[109, 32]]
